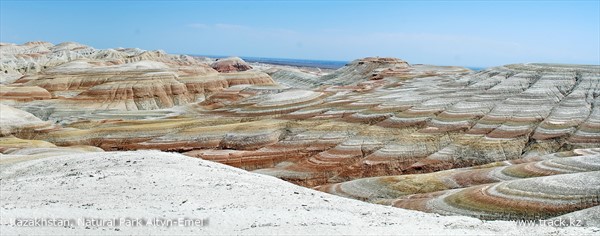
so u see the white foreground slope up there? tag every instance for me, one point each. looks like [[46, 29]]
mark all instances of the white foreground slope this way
[[152, 184]]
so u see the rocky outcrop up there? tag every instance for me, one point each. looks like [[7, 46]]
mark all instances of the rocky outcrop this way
[[230, 64]]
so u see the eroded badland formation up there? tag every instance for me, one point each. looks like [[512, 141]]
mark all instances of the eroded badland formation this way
[[511, 142]]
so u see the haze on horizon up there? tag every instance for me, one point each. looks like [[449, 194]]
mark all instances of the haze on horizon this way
[[466, 33]]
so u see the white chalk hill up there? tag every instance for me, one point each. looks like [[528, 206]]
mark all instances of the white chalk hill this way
[[153, 184]]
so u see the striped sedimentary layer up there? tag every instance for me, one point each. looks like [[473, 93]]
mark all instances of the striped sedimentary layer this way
[[389, 187], [540, 187], [440, 122], [36, 57], [389, 126], [125, 79], [374, 117], [144, 85], [23, 93], [534, 198]]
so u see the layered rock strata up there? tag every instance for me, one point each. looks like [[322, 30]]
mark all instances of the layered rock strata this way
[[126, 79], [374, 117]]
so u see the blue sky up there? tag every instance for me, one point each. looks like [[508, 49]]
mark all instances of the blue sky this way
[[468, 33]]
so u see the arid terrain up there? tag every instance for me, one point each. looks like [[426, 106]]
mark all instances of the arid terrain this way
[[88, 132]]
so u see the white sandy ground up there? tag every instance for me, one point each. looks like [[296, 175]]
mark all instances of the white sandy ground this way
[[153, 184]]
